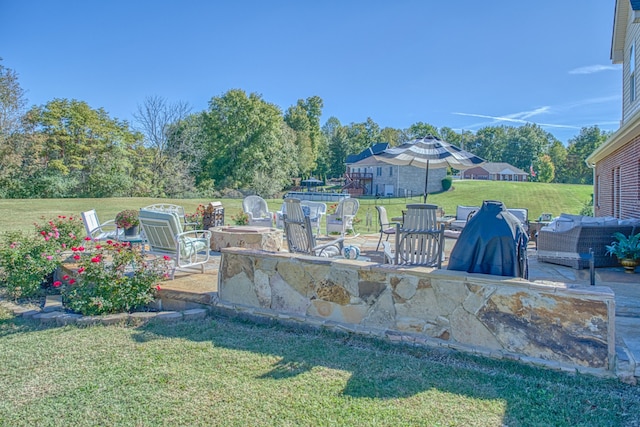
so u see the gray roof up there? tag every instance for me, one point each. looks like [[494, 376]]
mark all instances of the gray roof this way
[[375, 149], [498, 167]]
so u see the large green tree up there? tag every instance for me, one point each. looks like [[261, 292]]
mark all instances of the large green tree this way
[[78, 141], [248, 144], [579, 148], [304, 119]]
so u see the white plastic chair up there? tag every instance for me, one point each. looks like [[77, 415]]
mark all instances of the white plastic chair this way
[[163, 231], [99, 231], [342, 220], [258, 211]]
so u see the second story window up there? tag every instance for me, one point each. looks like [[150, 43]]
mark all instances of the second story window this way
[[390, 170], [379, 171]]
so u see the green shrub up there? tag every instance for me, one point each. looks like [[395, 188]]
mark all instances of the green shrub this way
[[111, 278], [446, 183], [27, 262]]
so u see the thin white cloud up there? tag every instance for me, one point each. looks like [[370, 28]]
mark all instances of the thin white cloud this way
[[511, 119], [590, 69], [524, 117]]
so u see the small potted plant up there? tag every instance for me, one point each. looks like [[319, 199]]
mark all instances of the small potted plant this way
[[627, 250], [128, 220]]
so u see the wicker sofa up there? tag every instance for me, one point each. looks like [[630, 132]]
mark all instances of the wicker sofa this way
[[570, 245]]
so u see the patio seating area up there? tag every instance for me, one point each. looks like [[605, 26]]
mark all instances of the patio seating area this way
[[202, 289]]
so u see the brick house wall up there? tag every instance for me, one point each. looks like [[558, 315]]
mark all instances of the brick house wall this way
[[617, 182], [475, 173]]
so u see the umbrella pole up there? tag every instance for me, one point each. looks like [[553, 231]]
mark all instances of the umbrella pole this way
[[426, 181]]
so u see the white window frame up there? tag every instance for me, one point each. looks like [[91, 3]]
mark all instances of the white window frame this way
[[632, 73]]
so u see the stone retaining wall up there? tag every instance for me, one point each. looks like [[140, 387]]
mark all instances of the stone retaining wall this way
[[547, 323]]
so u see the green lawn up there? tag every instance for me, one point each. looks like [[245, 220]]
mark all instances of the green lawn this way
[[538, 198], [231, 373]]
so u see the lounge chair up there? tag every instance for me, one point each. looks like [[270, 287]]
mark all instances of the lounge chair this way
[[163, 231], [177, 209], [99, 231]]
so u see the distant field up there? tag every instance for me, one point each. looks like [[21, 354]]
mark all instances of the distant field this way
[[20, 214]]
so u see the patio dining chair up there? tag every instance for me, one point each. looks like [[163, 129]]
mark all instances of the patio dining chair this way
[[99, 231], [163, 231], [386, 228], [420, 239], [258, 211], [299, 233]]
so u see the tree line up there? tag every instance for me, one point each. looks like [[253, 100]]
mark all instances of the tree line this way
[[66, 148]]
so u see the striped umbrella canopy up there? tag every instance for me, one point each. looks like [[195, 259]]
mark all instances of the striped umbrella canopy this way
[[429, 152]]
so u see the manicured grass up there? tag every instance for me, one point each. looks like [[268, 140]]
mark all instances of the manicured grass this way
[[231, 373], [538, 198]]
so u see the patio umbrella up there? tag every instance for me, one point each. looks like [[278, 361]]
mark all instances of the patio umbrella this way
[[429, 152], [312, 181]]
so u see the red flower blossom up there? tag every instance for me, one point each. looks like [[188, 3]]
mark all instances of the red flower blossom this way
[[81, 248], [76, 257], [81, 270], [72, 281], [95, 259], [65, 277], [87, 238], [157, 287], [109, 242], [98, 247], [166, 257], [57, 284]]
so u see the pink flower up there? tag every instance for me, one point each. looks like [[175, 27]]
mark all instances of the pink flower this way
[[46, 238], [43, 232], [72, 281], [157, 287], [76, 257], [57, 284], [167, 257], [49, 257], [87, 238], [81, 270], [65, 277]]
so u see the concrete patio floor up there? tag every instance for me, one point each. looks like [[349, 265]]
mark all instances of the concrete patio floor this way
[[188, 288]]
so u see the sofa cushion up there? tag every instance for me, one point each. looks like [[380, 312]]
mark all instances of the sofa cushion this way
[[521, 214], [462, 212]]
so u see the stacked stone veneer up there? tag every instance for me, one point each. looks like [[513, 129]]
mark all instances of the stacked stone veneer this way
[[540, 323]]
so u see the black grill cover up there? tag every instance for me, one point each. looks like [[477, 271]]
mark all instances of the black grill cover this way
[[493, 242]]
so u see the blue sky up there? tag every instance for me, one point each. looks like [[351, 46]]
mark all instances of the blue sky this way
[[464, 64]]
